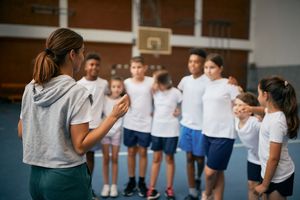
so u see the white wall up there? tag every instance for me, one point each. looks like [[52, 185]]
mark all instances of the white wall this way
[[276, 39]]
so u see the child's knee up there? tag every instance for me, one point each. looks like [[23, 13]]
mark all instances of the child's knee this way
[[190, 158], [210, 173], [169, 159], [252, 185]]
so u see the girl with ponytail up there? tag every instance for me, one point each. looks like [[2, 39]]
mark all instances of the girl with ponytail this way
[[281, 122]]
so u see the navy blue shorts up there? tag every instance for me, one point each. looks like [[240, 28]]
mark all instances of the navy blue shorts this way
[[166, 144], [191, 141], [253, 171], [133, 138], [285, 188], [218, 152]]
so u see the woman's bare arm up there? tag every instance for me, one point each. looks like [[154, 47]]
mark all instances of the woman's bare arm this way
[[83, 140]]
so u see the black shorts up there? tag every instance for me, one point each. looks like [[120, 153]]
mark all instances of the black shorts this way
[[285, 188], [253, 171]]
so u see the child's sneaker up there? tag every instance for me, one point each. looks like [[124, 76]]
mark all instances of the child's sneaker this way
[[113, 191], [152, 194], [105, 191], [130, 188], [142, 188], [170, 194], [205, 197]]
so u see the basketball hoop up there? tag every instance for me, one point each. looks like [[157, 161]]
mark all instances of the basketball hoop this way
[[154, 41]]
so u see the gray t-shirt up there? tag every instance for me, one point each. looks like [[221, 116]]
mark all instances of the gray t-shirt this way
[[47, 112]]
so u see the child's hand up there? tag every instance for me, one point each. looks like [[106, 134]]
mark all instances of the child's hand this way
[[245, 109], [121, 107], [177, 112], [260, 189]]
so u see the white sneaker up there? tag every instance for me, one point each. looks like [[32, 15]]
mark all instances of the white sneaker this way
[[114, 191], [205, 197], [105, 191]]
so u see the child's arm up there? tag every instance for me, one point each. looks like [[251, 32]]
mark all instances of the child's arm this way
[[177, 111], [275, 150], [259, 110], [20, 129], [83, 140]]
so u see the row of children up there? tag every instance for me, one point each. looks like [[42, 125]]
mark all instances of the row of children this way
[[56, 125], [207, 127]]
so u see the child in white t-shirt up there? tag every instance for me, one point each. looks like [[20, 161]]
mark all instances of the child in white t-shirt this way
[[137, 124], [247, 127], [97, 87], [112, 139], [280, 123], [191, 137], [165, 131], [218, 126]]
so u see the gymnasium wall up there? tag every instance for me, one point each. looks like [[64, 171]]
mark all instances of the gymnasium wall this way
[[18, 53]]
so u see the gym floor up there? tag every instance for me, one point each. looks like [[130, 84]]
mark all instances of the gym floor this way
[[14, 175]]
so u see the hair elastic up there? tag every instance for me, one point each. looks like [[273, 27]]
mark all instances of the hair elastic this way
[[48, 51], [285, 83]]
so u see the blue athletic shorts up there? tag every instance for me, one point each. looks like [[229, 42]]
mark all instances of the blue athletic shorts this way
[[166, 144], [218, 152], [253, 171], [133, 138], [191, 141]]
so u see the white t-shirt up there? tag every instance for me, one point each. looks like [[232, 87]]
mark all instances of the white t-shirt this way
[[139, 117], [165, 124], [249, 135], [108, 107], [218, 118], [274, 129], [97, 88], [191, 107]]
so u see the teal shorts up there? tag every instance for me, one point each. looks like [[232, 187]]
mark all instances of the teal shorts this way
[[72, 183]]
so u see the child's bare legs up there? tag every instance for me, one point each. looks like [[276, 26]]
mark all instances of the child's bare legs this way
[[142, 161], [105, 163], [190, 168], [275, 196], [210, 180], [219, 187], [156, 162], [170, 165], [131, 160], [252, 195], [90, 160], [200, 166], [200, 163], [114, 159]]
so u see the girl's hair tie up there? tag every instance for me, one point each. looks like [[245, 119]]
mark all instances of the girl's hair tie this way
[[49, 51]]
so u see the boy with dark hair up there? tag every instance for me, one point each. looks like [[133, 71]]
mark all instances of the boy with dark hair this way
[[97, 87], [190, 141]]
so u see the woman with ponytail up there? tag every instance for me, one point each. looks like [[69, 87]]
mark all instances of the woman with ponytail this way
[[280, 123], [54, 119]]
